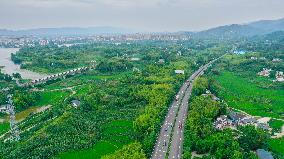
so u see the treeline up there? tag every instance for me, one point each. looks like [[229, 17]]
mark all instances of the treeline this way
[[23, 99], [114, 65]]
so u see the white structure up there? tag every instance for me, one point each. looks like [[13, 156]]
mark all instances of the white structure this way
[[265, 72], [253, 58], [4, 108], [279, 76], [179, 71], [75, 103], [134, 59], [276, 60]]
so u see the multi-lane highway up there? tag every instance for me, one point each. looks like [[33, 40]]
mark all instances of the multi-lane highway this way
[[170, 140]]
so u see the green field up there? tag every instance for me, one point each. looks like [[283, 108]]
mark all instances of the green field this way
[[114, 136], [276, 125], [277, 145], [4, 127], [51, 97], [241, 94], [100, 149]]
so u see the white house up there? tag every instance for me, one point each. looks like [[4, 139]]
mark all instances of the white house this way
[[179, 71]]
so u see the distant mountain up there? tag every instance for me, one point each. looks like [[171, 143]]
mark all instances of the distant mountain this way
[[66, 31], [243, 30]]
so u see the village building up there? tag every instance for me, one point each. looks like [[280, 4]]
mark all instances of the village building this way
[[262, 154], [179, 71], [279, 76], [75, 103], [135, 69], [4, 108], [161, 61], [239, 52], [134, 59], [253, 58], [265, 72], [276, 60], [262, 58], [223, 122]]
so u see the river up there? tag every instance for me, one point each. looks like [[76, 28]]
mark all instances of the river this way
[[10, 67]]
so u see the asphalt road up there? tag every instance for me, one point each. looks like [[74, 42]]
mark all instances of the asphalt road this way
[[170, 140]]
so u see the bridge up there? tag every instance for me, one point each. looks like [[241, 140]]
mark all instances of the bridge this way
[[56, 76]]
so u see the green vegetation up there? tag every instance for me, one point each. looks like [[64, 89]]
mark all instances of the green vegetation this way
[[101, 148], [122, 101], [276, 125], [51, 97], [277, 146], [244, 95], [4, 127], [203, 138], [130, 151]]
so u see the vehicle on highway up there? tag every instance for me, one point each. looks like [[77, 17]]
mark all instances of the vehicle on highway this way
[[177, 97]]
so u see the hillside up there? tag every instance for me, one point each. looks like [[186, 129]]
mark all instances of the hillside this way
[[243, 30]]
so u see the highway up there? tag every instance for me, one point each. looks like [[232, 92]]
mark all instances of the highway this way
[[170, 140]]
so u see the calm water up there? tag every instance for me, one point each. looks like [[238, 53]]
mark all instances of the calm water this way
[[10, 67]]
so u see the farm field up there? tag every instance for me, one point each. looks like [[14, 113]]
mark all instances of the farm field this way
[[246, 96], [4, 127], [277, 145], [114, 136]]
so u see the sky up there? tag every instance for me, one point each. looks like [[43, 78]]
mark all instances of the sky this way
[[139, 15]]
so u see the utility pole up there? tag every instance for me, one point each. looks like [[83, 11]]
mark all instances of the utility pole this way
[[13, 124]]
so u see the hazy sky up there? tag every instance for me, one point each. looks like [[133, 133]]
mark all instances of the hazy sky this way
[[146, 15]]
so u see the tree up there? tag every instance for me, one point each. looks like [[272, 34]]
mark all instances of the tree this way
[[131, 151], [200, 85], [252, 138]]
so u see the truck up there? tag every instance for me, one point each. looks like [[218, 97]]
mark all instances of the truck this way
[[177, 97]]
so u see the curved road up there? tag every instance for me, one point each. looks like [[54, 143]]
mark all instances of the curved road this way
[[170, 140]]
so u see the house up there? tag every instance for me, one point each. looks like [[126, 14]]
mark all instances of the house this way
[[4, 108], [161, 61], [253, 58], [262, 154], [239, 52], [276, 60], [134, 59], [263, 126], [75, 103], [262, 58], [279, 76], [265, 72], [179, 71]]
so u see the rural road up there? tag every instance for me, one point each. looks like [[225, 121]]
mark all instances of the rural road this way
[[170, 140]]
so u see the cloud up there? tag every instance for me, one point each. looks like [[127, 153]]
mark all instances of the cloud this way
[[157, 15]]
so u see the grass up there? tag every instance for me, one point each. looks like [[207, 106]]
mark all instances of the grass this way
[[51, 97], [246, 96], [277, 145], [276, 125], [4, 127], [100, 149], [114, 135]]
